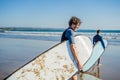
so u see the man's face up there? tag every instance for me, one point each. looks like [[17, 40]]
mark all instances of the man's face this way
[[75, 27]]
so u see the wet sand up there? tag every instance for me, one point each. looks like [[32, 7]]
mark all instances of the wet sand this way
[[109, 69], [16, 52]]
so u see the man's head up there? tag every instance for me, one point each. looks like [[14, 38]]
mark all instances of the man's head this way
[[74, 23], [98, 31]]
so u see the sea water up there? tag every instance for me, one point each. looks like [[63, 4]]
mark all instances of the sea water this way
[[20, 45], [52, 34]]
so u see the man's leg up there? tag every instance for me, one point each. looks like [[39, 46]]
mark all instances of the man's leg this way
[[74, 77], [99, 63]]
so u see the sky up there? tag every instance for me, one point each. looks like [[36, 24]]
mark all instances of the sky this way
[[94, 14]]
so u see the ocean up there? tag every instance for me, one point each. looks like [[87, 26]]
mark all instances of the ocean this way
[[19, 45], [52, 34]]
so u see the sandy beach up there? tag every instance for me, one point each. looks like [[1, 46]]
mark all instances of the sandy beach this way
[[16, 52], [109, 70]]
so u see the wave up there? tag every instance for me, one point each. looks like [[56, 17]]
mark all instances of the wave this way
[[105, 35], [113, 36]]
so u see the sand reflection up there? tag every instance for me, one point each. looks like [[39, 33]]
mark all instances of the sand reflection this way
[[92, 74]]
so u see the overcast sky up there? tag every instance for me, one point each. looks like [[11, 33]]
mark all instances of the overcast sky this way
[[94, 14]]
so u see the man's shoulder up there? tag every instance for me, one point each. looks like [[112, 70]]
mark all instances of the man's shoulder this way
[[100, 36], [95, 36], [69, 30]]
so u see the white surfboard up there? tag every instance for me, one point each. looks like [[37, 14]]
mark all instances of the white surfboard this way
[[57, 63], [86, 76], [96, 53]]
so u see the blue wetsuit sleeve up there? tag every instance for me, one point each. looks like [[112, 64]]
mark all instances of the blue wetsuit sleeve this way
[[102, 42], [70, 36], [93, 40]]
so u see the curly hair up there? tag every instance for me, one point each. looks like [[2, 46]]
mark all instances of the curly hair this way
[[74, 20]]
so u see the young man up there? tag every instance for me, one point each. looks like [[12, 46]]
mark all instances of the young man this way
[[68, 34], [97, 38]]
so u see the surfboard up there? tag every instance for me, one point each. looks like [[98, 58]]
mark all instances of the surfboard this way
[[86, 76], [57, 63], [96, 53]]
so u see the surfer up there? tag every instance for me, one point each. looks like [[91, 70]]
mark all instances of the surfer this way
[[97, 38], [68, 34]]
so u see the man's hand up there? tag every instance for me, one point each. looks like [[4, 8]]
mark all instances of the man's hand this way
[[80, 66]]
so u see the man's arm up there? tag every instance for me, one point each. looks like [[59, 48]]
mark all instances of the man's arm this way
[[75, 53], [102, 42], [70, 36]]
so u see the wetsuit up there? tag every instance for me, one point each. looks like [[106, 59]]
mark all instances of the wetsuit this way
[[97, 38], [68, 34]]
